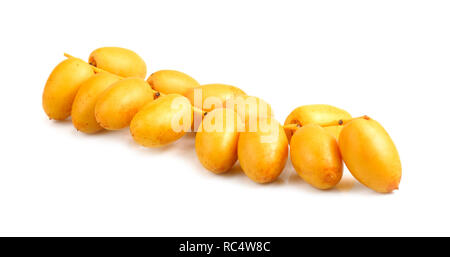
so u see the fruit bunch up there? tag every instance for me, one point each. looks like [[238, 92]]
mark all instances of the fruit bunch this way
[[110, 92]]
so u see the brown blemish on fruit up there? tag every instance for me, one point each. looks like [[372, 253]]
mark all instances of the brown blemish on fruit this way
[[393, 186], [92, 62]]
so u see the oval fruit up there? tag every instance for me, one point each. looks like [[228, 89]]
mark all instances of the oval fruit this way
[[370, 155], [212, 96], [162, 121], [263, 154], [172, 82], [251, 108], [216, 140], [315, 156], [120, 61], [316, 114], [118, 104], [62, 86], [83, 108]]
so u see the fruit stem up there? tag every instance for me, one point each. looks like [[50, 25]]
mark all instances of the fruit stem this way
[[195, 109], [96, 69], [200, 111], [327, 124], [291, 126], [342, 122]]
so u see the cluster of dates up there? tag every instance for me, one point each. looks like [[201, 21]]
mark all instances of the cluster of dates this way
[[110, 92]]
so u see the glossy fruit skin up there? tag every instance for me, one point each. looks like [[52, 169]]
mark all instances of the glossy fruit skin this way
[[118, 104], [261, 160], [213, 96], [120, 61], [217, 148], [370, 155], [315, 156], [152, 125], [251, 108], [83, 108], [62, 86], [172, 82], [314, 114]]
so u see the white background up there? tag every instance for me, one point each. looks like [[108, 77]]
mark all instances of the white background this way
[[387, 59]]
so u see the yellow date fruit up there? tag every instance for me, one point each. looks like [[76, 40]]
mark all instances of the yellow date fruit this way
[[118, 104], [172, 82], [315, 156], [120, 61], [370, 155], [83, 108], [62, 86], [211, 96], [162, 121], [315, 114], [251, 108], [263, 154], [216, 140]]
